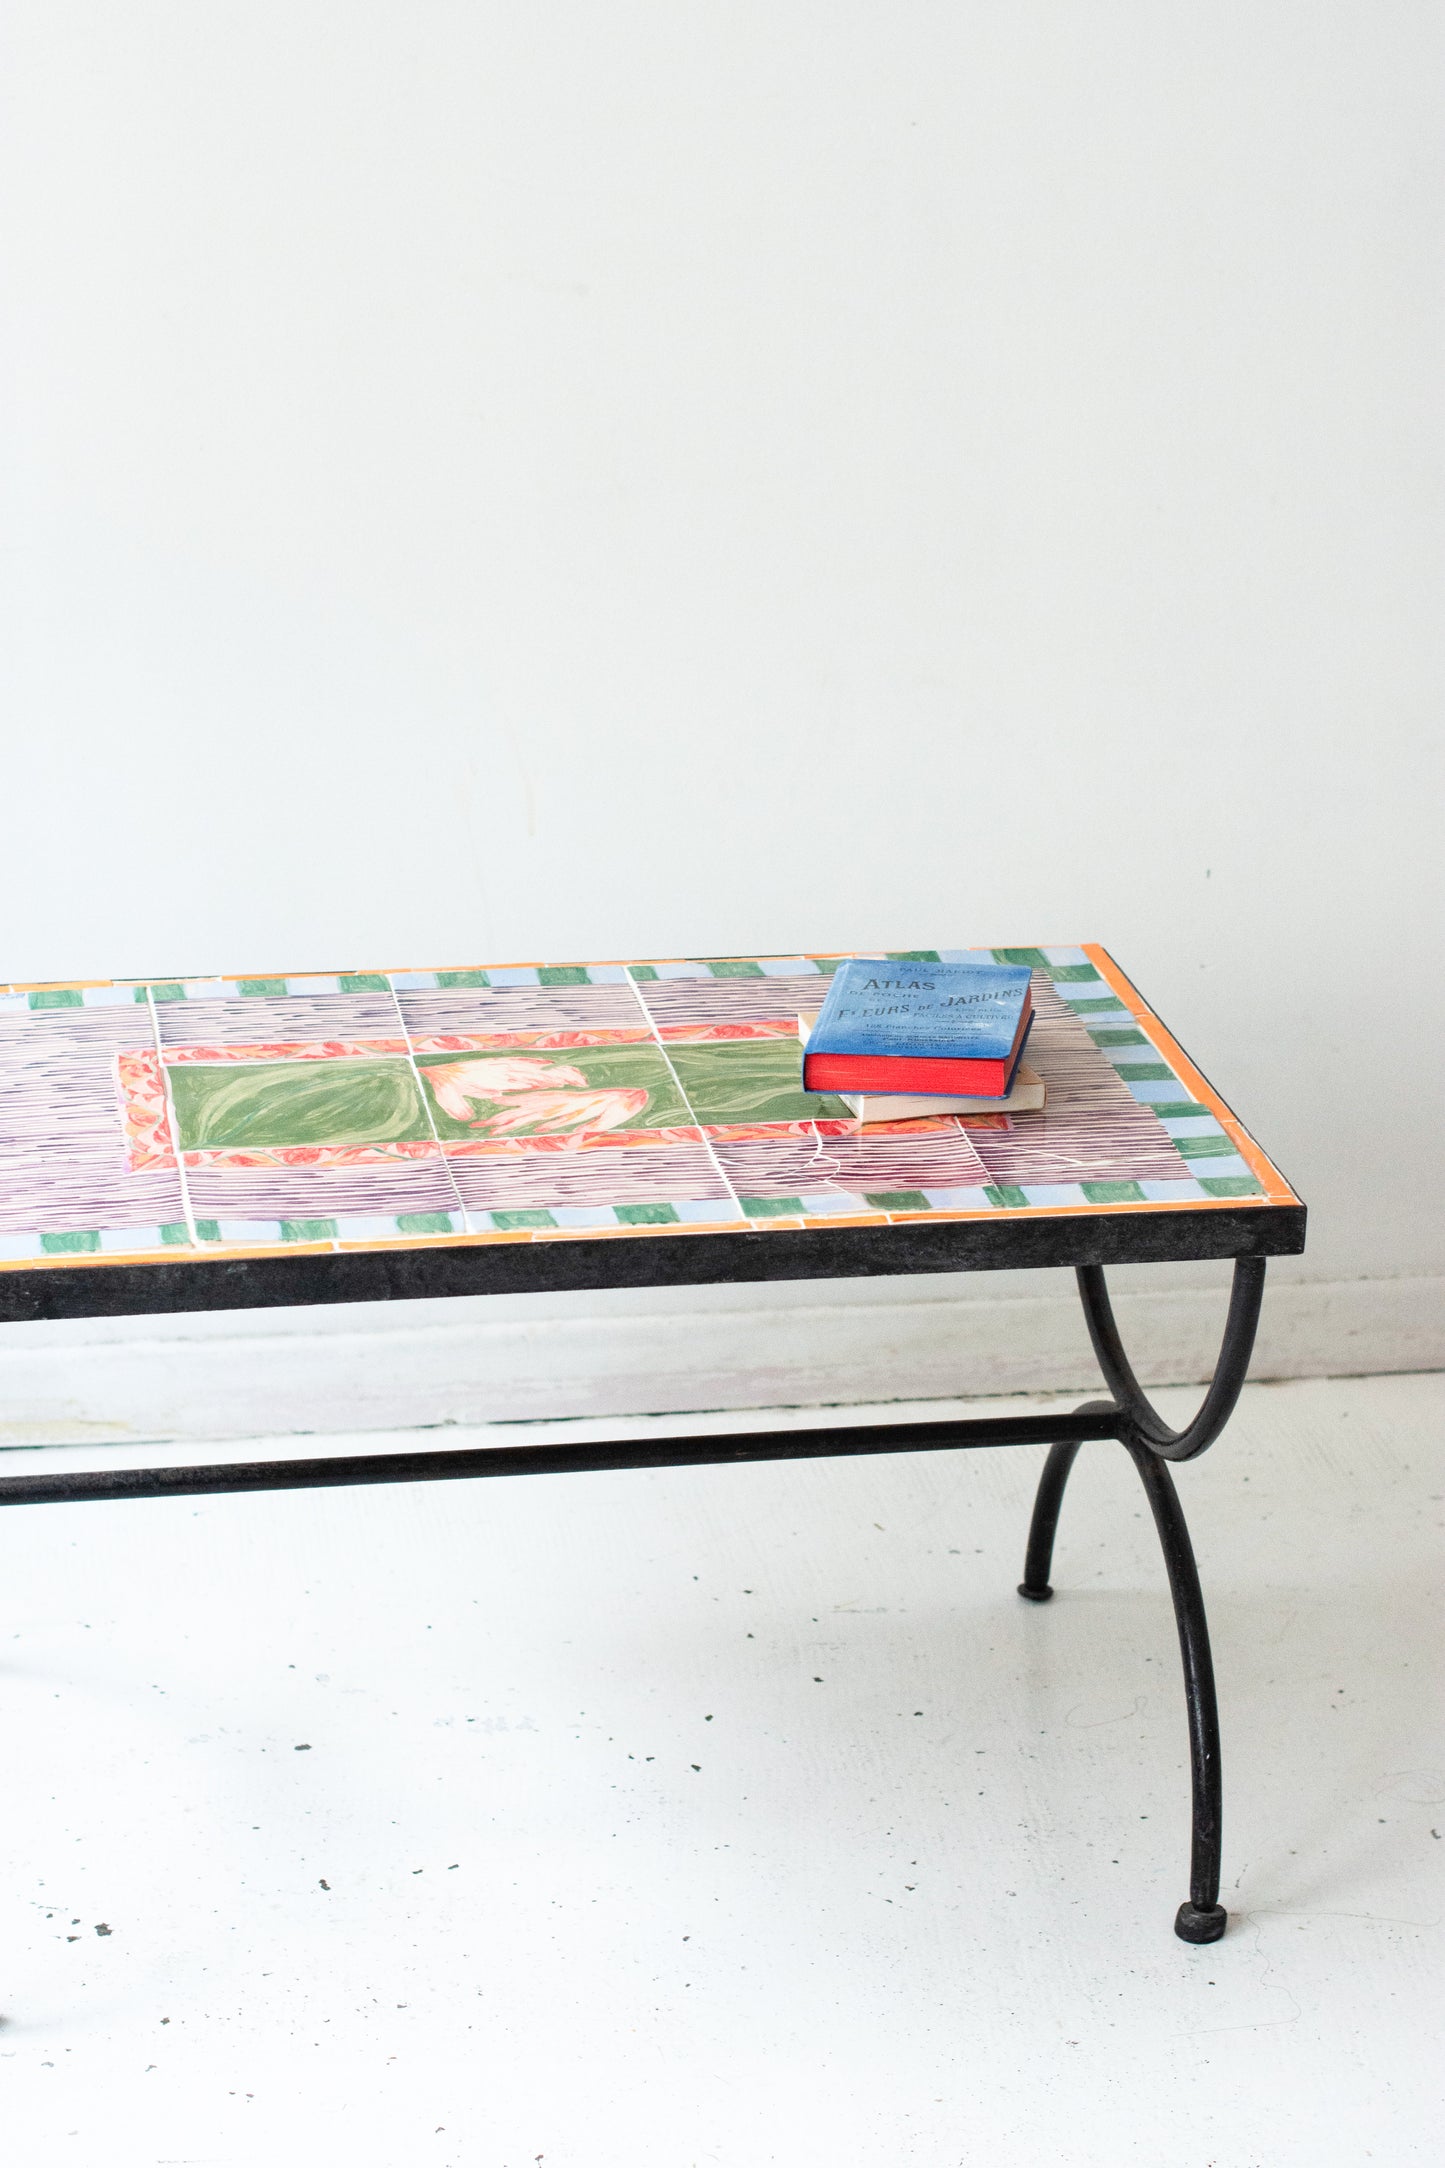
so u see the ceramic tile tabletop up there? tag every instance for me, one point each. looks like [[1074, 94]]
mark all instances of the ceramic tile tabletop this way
[[538, 1103]]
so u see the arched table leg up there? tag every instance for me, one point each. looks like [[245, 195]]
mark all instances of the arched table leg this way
[[1150, 1442], [1203, 1918], [1042, 1527]]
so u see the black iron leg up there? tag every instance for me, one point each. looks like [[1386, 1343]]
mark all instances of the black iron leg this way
[[1150, 1443], [1040, 1554], [1203, 1918]]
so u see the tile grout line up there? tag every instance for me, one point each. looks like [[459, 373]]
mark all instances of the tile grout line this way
[[718, 1168], [467, 1227], [186, 1205]]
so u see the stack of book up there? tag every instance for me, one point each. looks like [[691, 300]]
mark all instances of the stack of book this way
[[898, 1041]]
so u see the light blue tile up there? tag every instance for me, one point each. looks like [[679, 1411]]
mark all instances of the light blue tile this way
[[414, 982], [832, 1201], [578, 1215], [1186, 1192], [366, 1227], [21, 1245], [965, 955], [1150, 1088], [1065, 956], [520, 975], [786, 967], [607, 974], [1054, 1193], [313, 984], [1127, 1057], [108, 997], [1194, 1125], [682, 971], [958, 1200], [706, 1209], [121, 1241], [208, 989], [1226, 1166], [250, 1230]]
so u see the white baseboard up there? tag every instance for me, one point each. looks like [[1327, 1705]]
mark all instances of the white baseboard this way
[[253, 1374]]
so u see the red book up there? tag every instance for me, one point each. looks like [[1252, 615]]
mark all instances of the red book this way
[[977, 1076]]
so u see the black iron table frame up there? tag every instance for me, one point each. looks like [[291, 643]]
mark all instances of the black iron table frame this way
[[1127, 1418]]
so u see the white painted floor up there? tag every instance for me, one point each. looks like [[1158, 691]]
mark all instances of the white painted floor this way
[[731, 1816]]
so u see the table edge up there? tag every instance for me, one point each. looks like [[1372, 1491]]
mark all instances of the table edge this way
[[666, 1259]]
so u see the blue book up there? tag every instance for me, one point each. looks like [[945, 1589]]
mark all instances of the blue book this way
[[908, 1027]]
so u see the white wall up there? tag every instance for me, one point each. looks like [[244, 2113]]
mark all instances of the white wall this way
[[495, 481]]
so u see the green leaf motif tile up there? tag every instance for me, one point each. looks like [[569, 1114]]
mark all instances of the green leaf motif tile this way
[[511, 1222], [77, 1243], [646, 1215], [426, 1223], [563, 975], [772, 1207], [57, 997], [362, 982], [1113, 1192], [553, 1094], [751, 1080], [1033, 957], [274, 987], [462, 978], [897, 1200], [733, 967], [317, 1230], [260, 1105]]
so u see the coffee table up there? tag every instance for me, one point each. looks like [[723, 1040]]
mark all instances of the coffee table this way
[[230, 1143]]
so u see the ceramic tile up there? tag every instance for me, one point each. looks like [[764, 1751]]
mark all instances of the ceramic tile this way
[[692, 1006], [503, 1013], [646, 1173], [602, 1095], [63, 1167], [855, 1163], [539, 1102], [742, 1082], [367, 1016]]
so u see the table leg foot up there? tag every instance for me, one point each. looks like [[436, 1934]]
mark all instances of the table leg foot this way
[[1200, 1923], [1042, 1527]]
